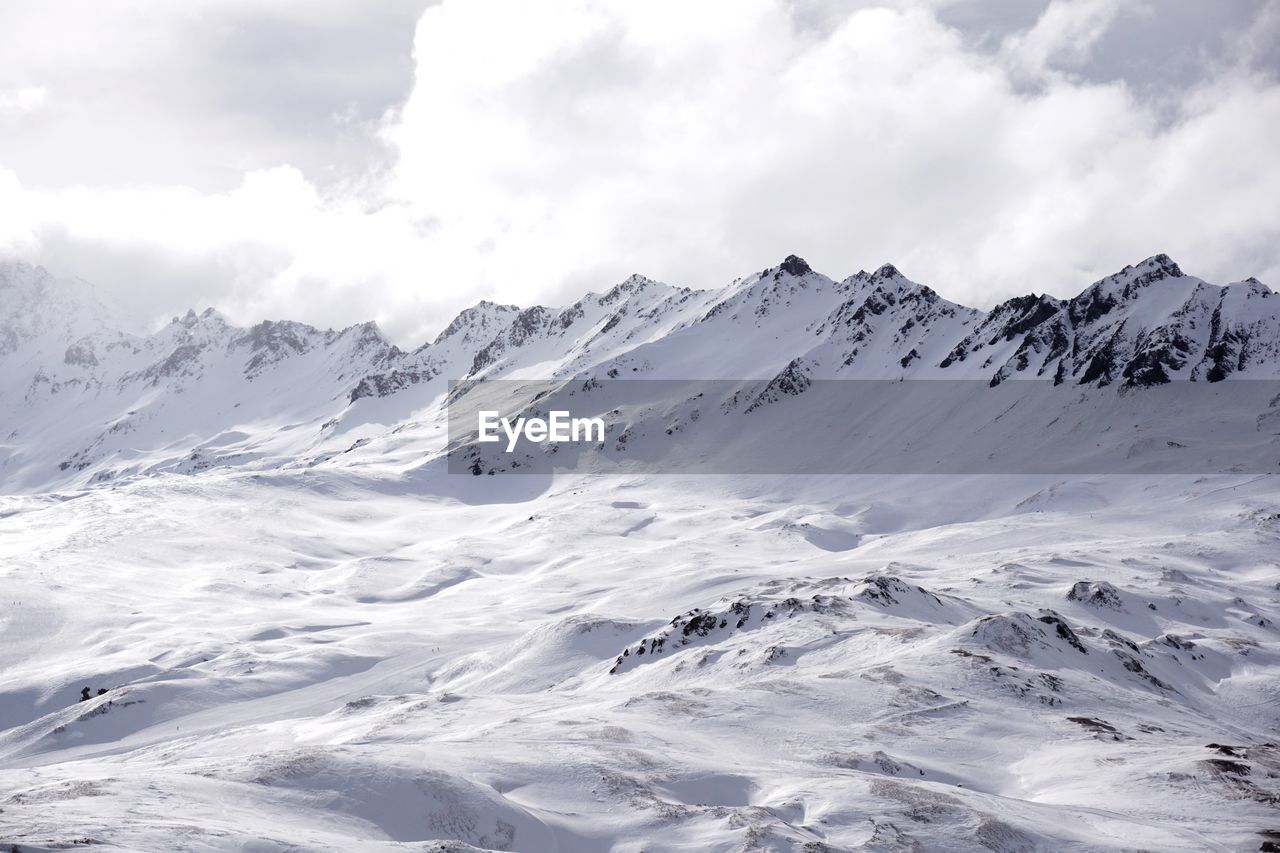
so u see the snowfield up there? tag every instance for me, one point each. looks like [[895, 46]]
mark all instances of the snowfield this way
[[309, 635]]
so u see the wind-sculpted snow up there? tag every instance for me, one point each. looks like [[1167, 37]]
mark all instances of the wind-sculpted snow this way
[[319, 660], [323, 660], [249, 602]]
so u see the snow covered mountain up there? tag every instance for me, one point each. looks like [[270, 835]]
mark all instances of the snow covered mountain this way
[[247, 606], [1146, 325], [84, 402]]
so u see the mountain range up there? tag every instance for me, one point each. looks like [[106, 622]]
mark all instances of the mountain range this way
[[84, 402], [250, 603]]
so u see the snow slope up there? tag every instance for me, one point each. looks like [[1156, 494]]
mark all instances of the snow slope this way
[[84, 403], [311, 636]]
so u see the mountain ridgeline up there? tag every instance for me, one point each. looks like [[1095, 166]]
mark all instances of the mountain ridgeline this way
[[84, 402]]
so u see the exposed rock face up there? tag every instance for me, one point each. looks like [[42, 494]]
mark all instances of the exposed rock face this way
[[1096, 594], [795, 266], [1146, 325]]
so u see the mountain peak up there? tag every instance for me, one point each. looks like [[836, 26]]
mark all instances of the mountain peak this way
[[1164, 264], [191, 319], [1154, 268], [482, 317], [795, 265], [635, 283]]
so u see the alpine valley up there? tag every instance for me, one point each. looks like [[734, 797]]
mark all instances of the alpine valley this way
[[247, 603]]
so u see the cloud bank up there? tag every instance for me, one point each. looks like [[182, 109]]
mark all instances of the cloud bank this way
[[545, 149]]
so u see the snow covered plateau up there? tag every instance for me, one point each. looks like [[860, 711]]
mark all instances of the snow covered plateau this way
[[307, 615]]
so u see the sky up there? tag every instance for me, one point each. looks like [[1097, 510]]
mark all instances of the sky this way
[[335, 161]]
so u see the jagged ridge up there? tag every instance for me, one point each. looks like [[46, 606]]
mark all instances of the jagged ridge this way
[[65, 359]]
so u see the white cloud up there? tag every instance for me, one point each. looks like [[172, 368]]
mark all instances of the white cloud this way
[[23, 99], [547, 148], [1257, 44], [1065, 33]]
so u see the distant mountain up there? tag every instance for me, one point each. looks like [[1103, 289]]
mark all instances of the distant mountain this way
[[1145, 325], [82, 401]]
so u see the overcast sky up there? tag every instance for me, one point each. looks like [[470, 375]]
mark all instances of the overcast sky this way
[[398, 159]]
